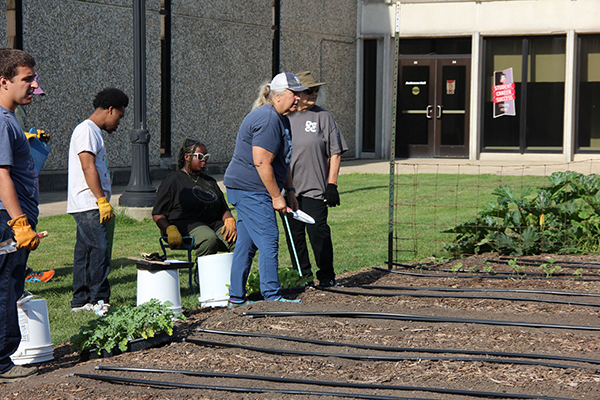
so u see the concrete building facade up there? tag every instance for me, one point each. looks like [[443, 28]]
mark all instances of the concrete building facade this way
[[205, 63], [206, 60], [452, 56]]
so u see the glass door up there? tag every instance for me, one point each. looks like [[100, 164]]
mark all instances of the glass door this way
[[432, 115], [414, 116], [452, 116]]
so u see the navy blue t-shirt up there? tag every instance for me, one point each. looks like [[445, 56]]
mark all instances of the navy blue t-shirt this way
[[16, 154], [263, 127]]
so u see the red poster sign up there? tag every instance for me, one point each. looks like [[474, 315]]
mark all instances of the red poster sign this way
[[504, 92]]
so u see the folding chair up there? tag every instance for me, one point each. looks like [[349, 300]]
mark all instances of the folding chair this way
[[188, 245]]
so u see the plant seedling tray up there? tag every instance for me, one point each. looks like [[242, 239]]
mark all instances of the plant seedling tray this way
[[159, 339]]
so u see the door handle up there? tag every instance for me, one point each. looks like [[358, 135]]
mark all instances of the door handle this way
[[439, 116], [428, 111]]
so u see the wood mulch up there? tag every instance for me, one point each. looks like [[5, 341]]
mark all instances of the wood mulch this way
[[580, 382]]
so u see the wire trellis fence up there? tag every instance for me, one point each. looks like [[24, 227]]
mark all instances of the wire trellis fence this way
[[454, 210]]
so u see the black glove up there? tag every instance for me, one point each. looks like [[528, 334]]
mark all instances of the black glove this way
[[332, 197]]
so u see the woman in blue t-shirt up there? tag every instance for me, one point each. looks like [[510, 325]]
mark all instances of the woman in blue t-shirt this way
[[254, 179]]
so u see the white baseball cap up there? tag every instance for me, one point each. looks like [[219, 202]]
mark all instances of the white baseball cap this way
[[287, 80]]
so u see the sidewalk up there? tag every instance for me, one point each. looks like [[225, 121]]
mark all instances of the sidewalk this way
[[55, 203]]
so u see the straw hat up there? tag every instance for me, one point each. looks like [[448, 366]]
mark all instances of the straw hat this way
[[306, 79]]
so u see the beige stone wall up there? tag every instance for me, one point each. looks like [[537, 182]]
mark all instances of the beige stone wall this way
[[312, 25], [3, 26], [221, 54], [80, 48]]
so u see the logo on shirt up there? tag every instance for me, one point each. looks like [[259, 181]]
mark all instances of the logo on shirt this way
[[310, 126], [204, 195]]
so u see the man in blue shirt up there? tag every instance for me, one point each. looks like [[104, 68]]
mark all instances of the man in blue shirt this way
[[18, 202]]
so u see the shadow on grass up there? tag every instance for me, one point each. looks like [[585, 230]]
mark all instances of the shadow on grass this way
[[364, 188]]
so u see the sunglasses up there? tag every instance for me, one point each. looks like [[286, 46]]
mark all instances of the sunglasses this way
[[312, 90], [201, 156]]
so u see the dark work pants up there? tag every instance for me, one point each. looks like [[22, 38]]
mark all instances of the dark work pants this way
[[319, 234], [12, 283], [91, 261]]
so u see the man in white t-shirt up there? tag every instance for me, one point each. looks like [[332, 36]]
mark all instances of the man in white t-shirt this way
[[89, 191]]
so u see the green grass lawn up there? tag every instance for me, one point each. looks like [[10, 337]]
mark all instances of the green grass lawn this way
[[359, 228], [359, 234]]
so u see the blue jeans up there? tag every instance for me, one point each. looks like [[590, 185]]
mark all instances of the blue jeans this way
[[257, 230], [12, 283], [91, 262]]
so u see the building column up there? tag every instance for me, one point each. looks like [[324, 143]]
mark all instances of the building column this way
[[570, 96], [476, 97]]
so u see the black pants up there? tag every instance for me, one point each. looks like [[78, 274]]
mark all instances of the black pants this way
[[319, 234]]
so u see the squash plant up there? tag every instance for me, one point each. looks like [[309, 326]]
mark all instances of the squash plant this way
[[122, 324], [563, 218]]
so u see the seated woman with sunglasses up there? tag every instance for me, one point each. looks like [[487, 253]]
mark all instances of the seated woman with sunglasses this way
[[190, 203]]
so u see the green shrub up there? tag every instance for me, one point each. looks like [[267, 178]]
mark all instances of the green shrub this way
[[563, 218]]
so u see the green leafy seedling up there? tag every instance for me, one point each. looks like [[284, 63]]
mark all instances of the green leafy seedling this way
[[550, 268], [456, 267], [517, 269]]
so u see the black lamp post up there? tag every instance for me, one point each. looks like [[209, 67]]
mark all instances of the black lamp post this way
[[139, 191]]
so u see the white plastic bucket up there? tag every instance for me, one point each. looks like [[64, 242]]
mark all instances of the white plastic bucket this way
[[214, 272], [162, 285], [36, 344]]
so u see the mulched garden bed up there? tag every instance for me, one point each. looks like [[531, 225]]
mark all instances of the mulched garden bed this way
[[579, 381]]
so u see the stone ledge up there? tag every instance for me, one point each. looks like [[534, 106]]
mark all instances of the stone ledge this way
[[56, 181], [137, 213]]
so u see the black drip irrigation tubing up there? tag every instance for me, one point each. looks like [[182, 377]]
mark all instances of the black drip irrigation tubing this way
[[444, 289], [382, 358], [520, 277], [562, 263], [495, 273], [165, 384], [422, 318], [336, 384], [403, 349], [443, 296]]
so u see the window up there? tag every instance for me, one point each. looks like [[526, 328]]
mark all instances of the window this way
[[435, 46], [539, 103], [588, 126], [369, 95], [14, 24]]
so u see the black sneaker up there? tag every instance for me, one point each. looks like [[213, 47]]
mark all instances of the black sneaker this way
[[328, 283], [17, 373]]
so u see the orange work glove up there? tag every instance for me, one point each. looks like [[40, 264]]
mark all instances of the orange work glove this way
[[25, 236], [229, 231], [174, 237], [106, 211], [37, 134], [30, 135]]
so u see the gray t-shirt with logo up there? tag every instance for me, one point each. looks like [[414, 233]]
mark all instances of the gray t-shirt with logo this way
[[315, 138]]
